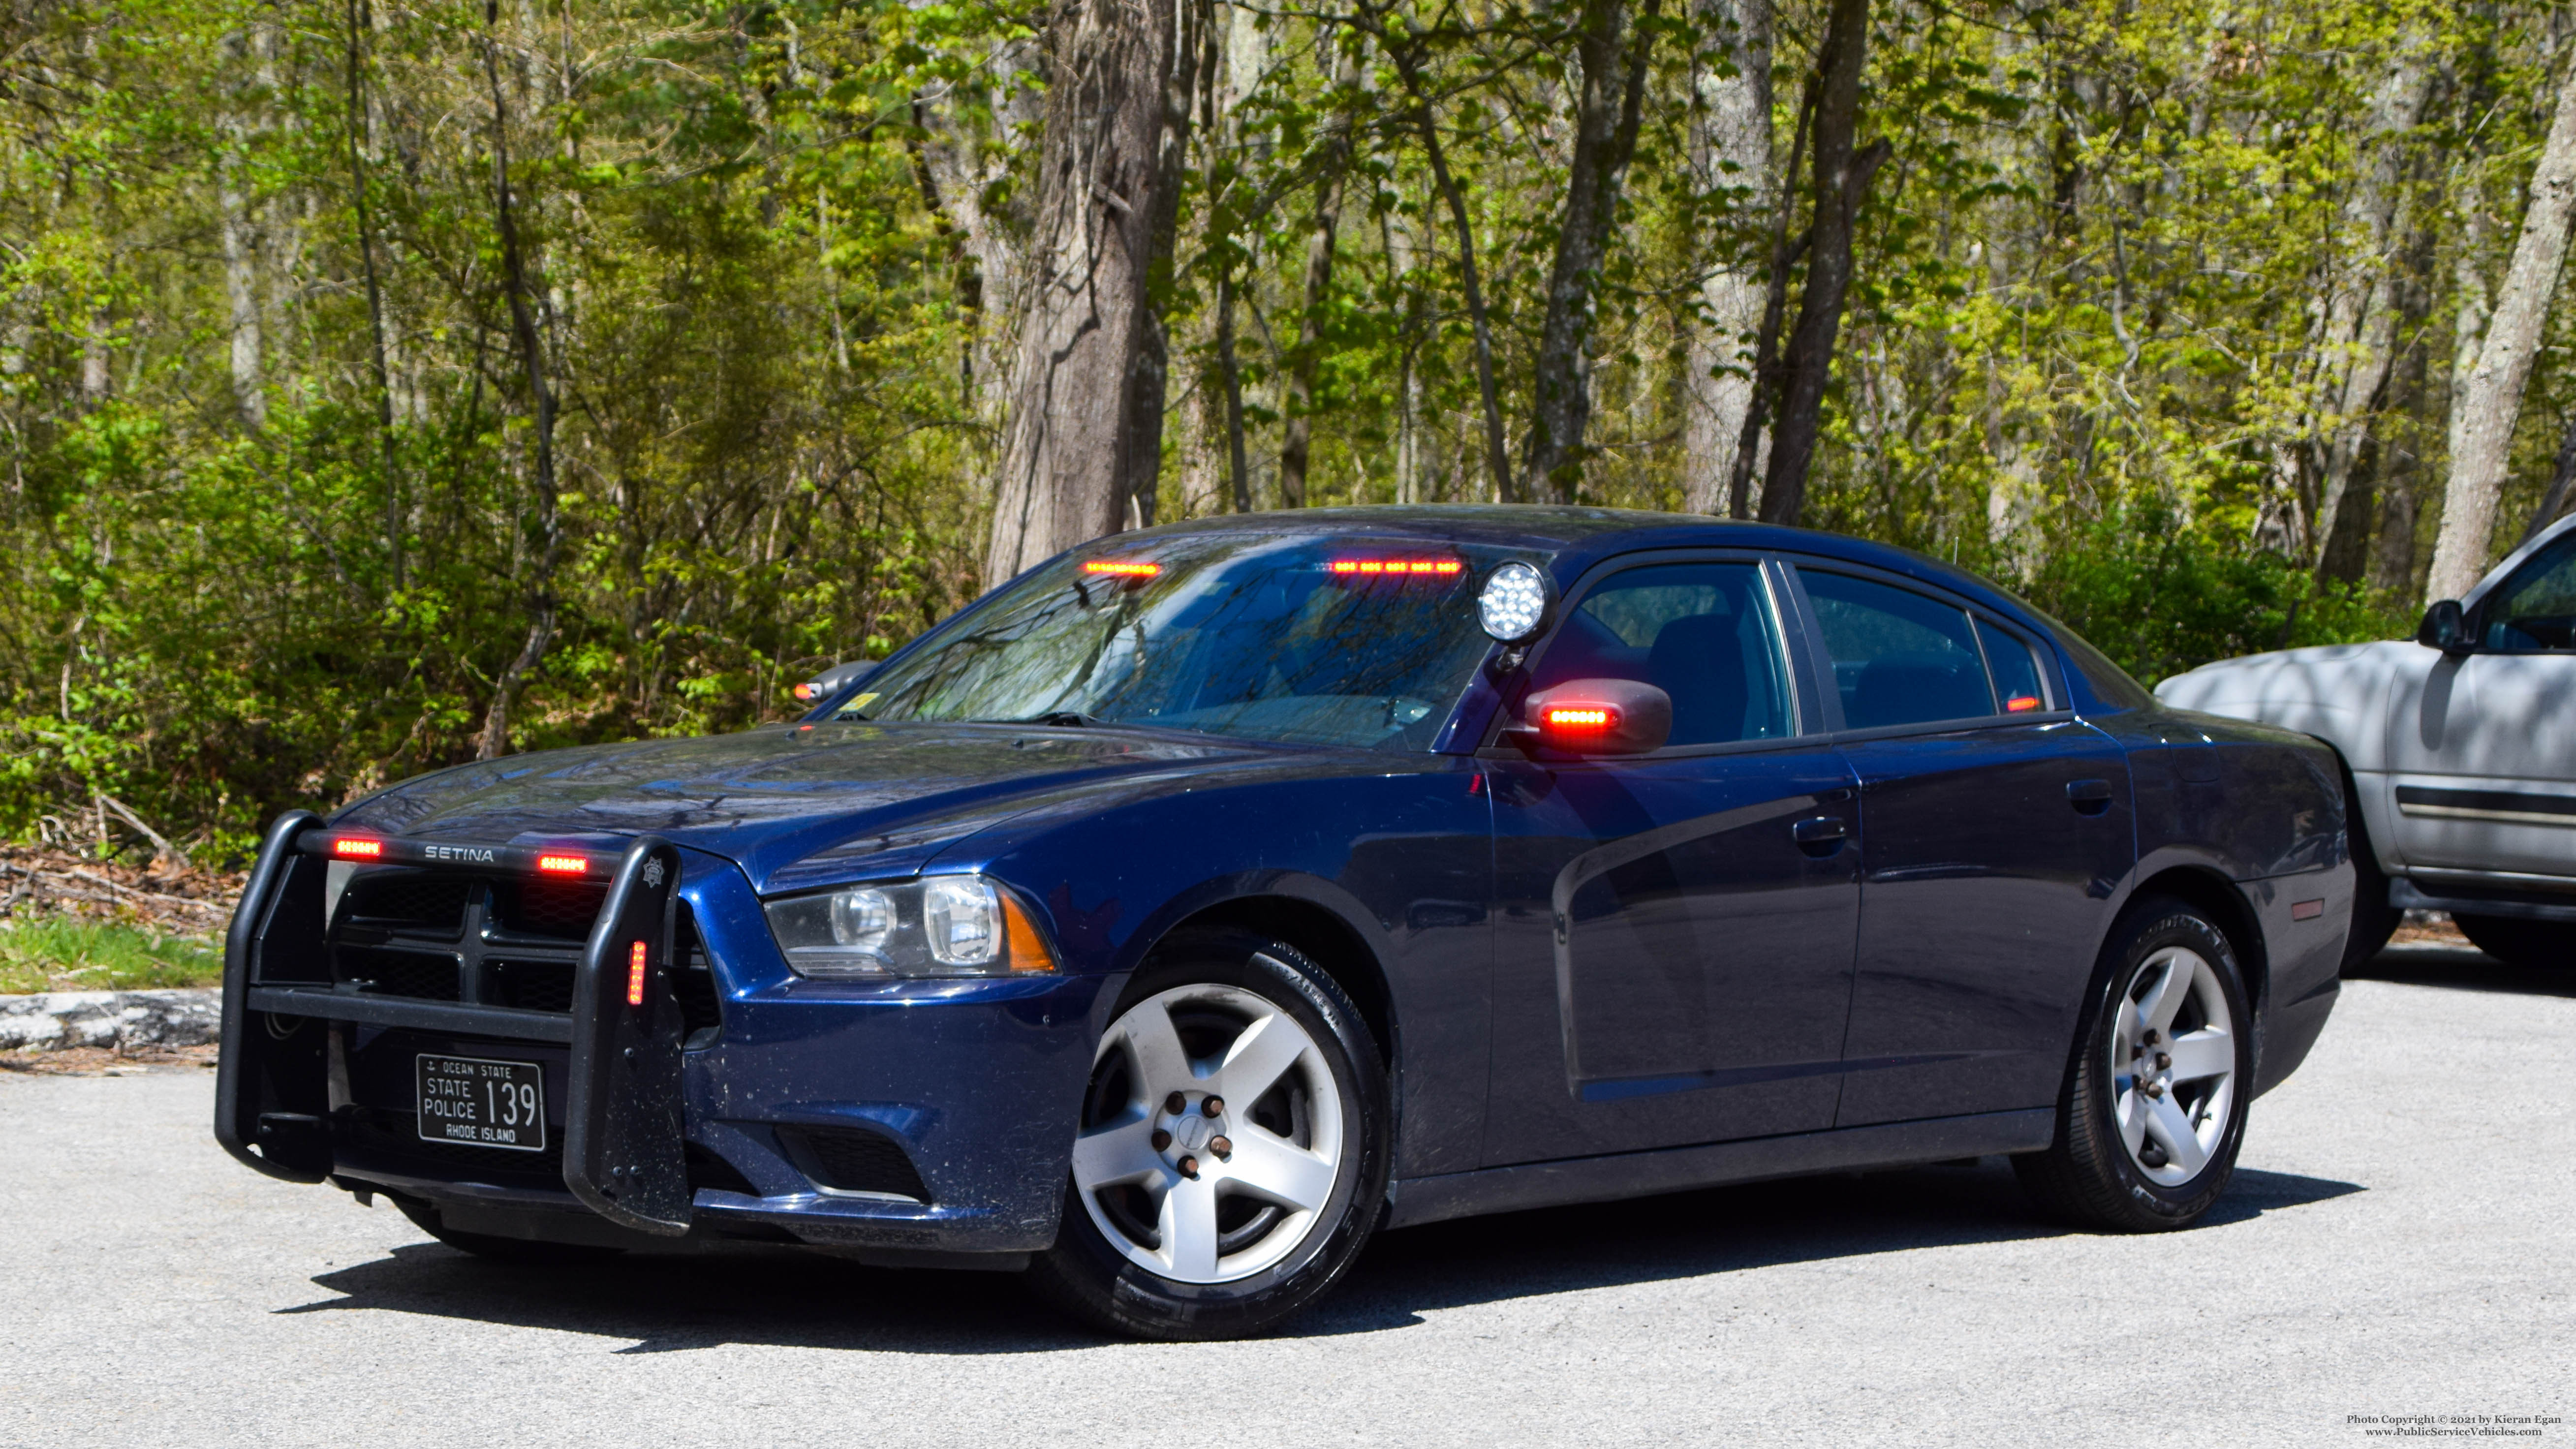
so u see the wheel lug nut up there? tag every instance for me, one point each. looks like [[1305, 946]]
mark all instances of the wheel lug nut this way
[[1176, 1104], [1213, 1106], [1223, 1147], [1162, 1139], [2155, 1089], [1190, 1167], [2164, 1063], [2136, 1052]]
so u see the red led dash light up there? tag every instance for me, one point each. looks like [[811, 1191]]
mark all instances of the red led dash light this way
[[351, 849], [1123, 569], [1435, 567], [1583, 717], [2021, 704], [564, 864], [635, 974]]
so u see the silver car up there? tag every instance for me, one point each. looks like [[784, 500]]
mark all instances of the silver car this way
[[2460, 746]]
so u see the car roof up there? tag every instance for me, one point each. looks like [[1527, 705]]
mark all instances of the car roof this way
[[1574, 538]]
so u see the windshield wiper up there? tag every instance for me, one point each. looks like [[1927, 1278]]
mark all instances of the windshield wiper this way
[[1063, 719]]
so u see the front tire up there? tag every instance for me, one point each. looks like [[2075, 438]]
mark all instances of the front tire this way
[[2533, 945], [1232, 1152], [2153, 1110]]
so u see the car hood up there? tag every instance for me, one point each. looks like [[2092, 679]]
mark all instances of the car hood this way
[[882, 796]]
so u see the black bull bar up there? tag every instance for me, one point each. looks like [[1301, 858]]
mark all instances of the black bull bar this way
[[623, 1151]]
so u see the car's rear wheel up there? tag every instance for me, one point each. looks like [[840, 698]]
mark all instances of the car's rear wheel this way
[[2518, 942], [1231, 1157], [2154, 1105]]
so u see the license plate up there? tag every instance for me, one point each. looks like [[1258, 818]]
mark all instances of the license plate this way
[[482, 1103]]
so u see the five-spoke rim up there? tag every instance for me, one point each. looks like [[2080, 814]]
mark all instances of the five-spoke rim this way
[[2173, 1065], [1212, 1135]]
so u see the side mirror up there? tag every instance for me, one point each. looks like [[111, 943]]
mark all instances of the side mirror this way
[[833, 680], [1600, 717], [2445, 628]]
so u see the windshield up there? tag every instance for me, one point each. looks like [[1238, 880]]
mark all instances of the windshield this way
[[1339, 642]]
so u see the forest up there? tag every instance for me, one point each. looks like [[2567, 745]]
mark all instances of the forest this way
[[387, 385]]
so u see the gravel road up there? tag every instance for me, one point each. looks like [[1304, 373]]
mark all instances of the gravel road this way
[[2398, 1241]]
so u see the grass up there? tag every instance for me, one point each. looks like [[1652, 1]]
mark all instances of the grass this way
[[62, 954]]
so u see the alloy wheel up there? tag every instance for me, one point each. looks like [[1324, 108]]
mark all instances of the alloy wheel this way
[[1211, 1136], [2173, 1065]]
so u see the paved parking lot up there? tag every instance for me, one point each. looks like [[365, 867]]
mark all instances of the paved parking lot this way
[[2398, 1241]]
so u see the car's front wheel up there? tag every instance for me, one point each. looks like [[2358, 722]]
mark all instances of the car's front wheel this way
[[2153, 1110], [2517, 942], [1231, 1157]]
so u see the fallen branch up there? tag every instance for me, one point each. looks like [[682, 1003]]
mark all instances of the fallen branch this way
[[92, 878], [163, 849]]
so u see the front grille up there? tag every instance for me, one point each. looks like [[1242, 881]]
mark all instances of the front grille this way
[[493, 942], [417, 974], [854, 1159], [564, 910], [416, 900], [530, 985]]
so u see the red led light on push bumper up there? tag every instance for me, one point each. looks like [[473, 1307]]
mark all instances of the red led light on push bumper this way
[[350, 848], [564, 864], [635, 975]]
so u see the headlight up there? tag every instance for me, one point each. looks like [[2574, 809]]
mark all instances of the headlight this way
[[959, 925]]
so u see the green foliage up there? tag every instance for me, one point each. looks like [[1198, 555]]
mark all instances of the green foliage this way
[[775, 264], [67, 954]]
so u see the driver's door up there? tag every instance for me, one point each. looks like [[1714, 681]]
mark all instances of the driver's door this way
[[1674, 939]]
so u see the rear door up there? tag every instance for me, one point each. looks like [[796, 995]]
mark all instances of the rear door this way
[[1674, 939], [1995, 827], [2483, 746]]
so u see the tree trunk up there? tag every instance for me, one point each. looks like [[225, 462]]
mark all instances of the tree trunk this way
[[241, 250], [1785, 252], [375, 305], [1842, 177], [1730, 144], [2492, 401], [1087, 392], [2360, 312], [1616, 51], [1296, 435], [521, 291], [1497, 458]]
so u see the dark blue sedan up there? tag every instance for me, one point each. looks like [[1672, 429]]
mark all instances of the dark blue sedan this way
[[1210, 897]]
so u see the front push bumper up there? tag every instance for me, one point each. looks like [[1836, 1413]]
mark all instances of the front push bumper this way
[[918, 1119]]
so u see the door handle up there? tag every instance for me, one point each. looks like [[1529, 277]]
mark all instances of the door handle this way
[[2089, 797], [1820, 835]]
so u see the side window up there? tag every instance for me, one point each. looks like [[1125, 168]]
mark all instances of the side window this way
[[1898, 658], [2535, 609], [1701, 633], [2015, 670]]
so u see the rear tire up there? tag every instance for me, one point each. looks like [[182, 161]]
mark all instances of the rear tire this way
[[2374, 920], [2153, 1110], [2533, 945], [1231, 1159]]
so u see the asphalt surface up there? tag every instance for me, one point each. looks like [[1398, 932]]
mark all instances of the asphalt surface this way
[[2398, 1241]]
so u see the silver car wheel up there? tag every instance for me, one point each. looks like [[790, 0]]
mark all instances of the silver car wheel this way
[[1212, 1135], [2173, 1065]]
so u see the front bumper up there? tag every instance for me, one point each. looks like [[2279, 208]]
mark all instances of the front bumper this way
[[920, 1117]]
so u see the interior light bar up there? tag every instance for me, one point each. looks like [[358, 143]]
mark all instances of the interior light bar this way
[[352, 848], [2021, 704], [1122, 568], [1435, 567], [564, 864]]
